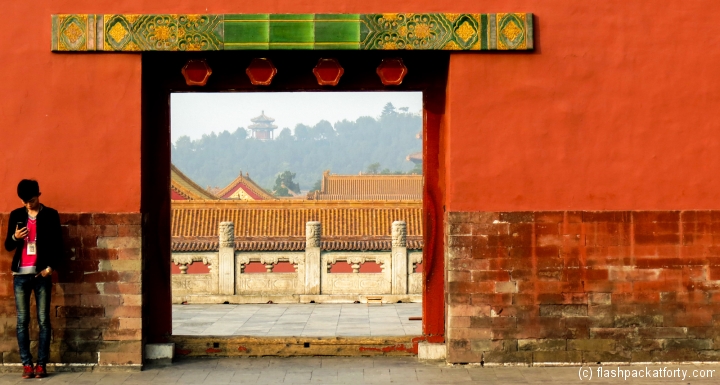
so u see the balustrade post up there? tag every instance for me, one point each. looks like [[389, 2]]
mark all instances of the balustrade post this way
[[399, 258], [312, 257], [226, 258]]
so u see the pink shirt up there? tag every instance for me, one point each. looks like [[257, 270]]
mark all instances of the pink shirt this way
[[29, 260]]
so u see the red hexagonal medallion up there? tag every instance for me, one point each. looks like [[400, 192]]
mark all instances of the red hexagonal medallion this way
[[392, 71], [261, 71], [328, 72], [196, 72]]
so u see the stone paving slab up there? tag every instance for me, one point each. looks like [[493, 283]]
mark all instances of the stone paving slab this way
[[298, 320], [368, 370]]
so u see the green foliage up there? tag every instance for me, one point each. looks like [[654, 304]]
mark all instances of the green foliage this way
[[373, 168], [284, 183], [347, 147]]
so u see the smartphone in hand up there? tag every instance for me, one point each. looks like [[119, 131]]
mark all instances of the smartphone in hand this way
[[21, 225]]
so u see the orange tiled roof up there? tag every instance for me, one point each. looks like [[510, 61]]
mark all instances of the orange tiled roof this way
[[280, 224], [250, 190], [185, 187], [369, 187]]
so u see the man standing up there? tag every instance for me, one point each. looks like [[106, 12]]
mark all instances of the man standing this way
[[34, 233]]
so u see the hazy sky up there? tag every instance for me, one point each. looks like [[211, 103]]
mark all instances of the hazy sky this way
[[194, 114]]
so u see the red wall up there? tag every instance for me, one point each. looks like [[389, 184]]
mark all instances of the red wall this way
[[612, 111]]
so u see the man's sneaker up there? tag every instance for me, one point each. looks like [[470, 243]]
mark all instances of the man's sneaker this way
[[28, 371], [40, 371]]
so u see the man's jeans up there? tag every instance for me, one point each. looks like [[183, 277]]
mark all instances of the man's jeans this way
[[24, 285]]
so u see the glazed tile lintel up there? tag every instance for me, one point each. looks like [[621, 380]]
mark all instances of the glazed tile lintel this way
[[373, 31]]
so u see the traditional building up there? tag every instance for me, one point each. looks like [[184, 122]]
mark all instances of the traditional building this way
[[368, 187], [183, 188], [262, 127], [243, 188], [306, 251]]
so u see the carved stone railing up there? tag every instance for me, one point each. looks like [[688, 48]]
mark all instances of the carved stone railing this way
[[312, 280]]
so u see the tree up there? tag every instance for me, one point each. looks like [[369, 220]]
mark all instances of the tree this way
[[302, 132], [284, 183], [317, 186], [241, 133], [323, 130], [373, 168], [285, 134], [389, 109]]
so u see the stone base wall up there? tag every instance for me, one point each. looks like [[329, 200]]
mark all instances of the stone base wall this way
[[96, 303], [575, 287]]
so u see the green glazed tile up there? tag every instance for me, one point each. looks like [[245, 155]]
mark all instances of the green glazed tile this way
[[292, 16], [207, 32], [291, 46], [337, 46], [294, 32], [54, 33], [247, 31], [200, 32], [529, 29], [340, 31], [247, 16], [483, 32], [156, 32], [337, 16]]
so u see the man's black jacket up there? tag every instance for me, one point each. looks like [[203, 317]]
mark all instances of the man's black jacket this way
[[49, 238]]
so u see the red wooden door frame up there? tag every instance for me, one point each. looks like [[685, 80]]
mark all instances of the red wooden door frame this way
[[161, 74]]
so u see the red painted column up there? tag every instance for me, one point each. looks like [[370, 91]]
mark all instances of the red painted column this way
[[433, 217]]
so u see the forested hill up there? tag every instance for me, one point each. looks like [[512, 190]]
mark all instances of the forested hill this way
[[347, 148]]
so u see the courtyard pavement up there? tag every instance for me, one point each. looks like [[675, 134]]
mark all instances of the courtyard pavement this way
[[361, 370], [298, 320]]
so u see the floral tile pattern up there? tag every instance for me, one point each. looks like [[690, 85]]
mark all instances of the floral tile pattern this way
[[205, 32]]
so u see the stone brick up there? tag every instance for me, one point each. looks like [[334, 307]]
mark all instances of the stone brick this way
[[131, 299], [591, 344], [508, 358], [99, 300], [563, 310], [691, 344], [122, 335], [72, 311], [123, 311], [130, 323], [118, 242], [120, 358], [542, 344], [129, 253], [505, 287], [564, 357], [129, 230], [606, 357], [663, 332], [613, 333], [481, 345], [641, 321], [469, 333], [120, 265]]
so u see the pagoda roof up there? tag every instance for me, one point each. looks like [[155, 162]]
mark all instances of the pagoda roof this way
[[280, 225], [369, 187], [184, 188], [415, 157], [244, 188], [262, 118]]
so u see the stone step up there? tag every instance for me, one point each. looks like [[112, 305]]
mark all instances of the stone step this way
[[224, 346]]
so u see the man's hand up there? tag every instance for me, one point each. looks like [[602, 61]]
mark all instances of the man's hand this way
[[20, 233], [45, 272]]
